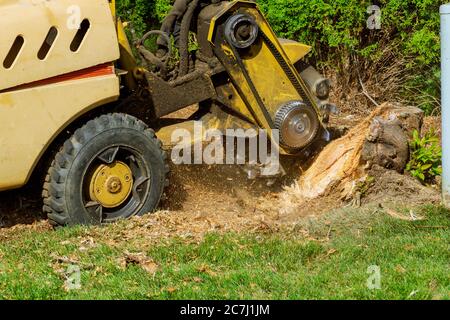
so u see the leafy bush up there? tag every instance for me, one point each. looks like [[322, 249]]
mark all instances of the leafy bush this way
[[141, 13], [407, 45], [426, 155]]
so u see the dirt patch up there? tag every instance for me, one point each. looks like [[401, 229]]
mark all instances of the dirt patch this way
[[221, 199], [20, 207], [203, 199], [390, 186], [432, 124], [215, 203]]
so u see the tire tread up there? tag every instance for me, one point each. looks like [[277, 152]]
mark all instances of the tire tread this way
[[53, 193]]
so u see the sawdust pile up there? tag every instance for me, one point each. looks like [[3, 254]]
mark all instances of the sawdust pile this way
[[203, 199]]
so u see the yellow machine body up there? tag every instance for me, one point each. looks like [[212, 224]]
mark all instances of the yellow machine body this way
[[257, 95], [51, 75], [264, 77], [41, 94]]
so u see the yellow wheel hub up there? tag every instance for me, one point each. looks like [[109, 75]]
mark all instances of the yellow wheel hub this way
[[111, 184]]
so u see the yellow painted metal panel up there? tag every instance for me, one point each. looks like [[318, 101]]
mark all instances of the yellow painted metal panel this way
[[264, 75], [32, 19], [294, 50], [262, 67], [31, 118], [127, 60]]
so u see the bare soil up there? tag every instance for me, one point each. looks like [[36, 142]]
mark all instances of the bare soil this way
[[204, 198]]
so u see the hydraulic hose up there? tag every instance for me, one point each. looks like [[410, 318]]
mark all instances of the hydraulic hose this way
[[184, 37]]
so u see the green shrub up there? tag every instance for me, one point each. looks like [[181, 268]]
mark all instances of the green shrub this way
[[141, 13], [338, 31], [426, 157]]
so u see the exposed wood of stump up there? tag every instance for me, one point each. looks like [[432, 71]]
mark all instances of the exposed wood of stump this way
[[381, 139]]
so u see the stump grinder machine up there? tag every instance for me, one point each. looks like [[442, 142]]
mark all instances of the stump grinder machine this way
[[92, 107]]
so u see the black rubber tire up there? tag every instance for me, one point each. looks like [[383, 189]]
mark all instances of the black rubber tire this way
[[63, 200]]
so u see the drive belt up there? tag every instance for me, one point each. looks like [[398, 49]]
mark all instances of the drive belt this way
[[287, 69]]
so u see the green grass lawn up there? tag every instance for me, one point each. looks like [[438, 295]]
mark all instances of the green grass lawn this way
[[325, 258]]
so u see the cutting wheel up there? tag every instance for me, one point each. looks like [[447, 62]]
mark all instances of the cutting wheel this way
[[297, 123]]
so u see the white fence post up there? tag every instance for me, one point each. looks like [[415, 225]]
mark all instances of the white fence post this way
[[445, 89]]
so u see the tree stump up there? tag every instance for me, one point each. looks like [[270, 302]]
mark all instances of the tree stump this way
[[386, 145], [380, 139]]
